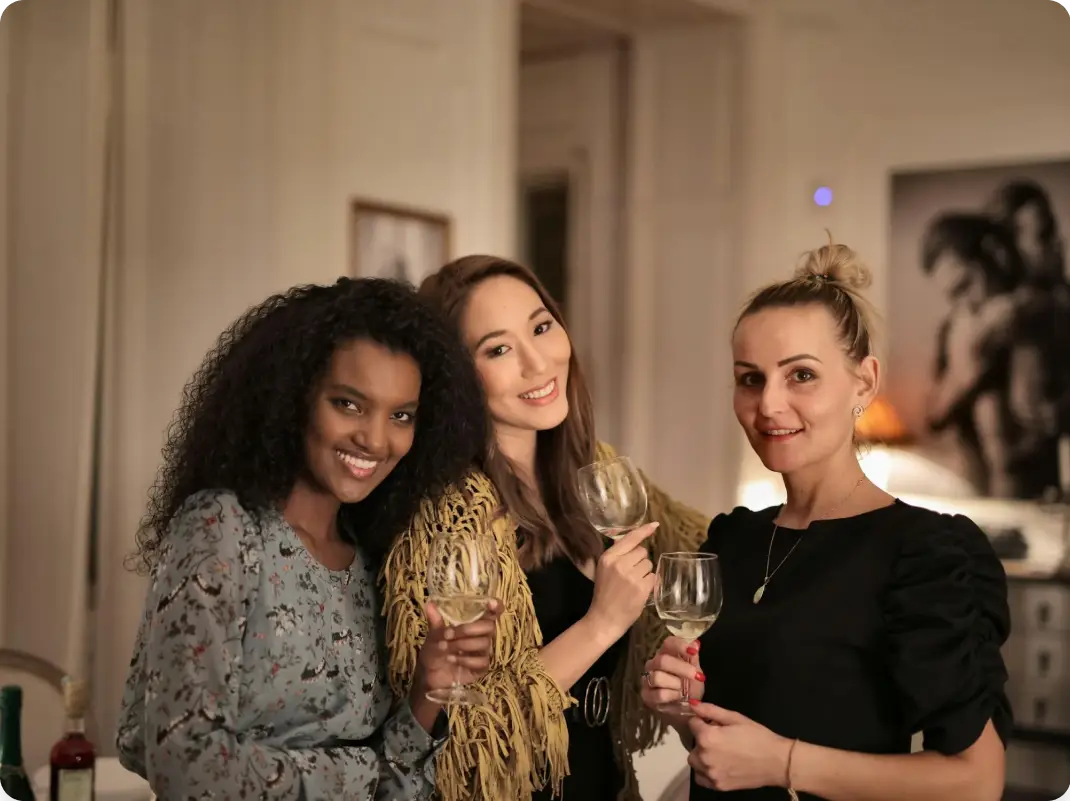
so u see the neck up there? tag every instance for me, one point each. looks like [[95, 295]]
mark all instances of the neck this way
[[820, 489], [518, 446], [313, 511]]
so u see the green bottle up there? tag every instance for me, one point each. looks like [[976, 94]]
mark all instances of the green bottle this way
[[13, 776]]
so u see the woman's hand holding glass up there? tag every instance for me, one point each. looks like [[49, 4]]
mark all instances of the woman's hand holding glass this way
[[462, 613], [623, 581], [670, 676], [456, 655]]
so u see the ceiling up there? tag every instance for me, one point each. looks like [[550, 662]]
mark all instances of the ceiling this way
[[554, 27]]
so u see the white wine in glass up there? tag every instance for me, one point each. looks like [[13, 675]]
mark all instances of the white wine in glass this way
[[462, 577], [613, 496], [688, 597]]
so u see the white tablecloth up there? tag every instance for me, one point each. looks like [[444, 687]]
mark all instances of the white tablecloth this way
[[113, 782]]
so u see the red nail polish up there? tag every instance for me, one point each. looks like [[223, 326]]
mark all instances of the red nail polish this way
[[692, 648], [700, 676], [694, 701]]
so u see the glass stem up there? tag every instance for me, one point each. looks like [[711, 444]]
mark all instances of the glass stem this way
[[457, 675], [686, 689]]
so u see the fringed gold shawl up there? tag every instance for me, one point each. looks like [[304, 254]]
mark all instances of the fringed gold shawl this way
[[520, 741]]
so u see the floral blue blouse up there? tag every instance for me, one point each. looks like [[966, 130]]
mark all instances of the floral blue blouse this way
[[258, 673]]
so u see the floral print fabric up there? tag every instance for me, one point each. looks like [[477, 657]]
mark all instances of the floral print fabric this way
[[258, 673]]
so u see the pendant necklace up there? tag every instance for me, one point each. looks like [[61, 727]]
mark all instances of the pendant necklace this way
[[758, 593]]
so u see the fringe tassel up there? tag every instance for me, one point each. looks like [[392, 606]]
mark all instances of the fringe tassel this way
[[521, 740]]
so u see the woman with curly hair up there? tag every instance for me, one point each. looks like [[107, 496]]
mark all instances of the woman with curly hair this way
[[564, 717], [306, 440]]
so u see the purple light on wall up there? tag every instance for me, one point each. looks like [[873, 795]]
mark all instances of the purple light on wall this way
[[823, 196]]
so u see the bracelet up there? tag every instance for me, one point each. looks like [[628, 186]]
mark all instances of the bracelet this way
[[794, 796]]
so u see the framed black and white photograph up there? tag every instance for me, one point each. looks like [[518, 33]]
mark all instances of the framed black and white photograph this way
[[979, 321], [397, 242]]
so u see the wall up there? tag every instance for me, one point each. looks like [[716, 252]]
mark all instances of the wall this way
[[51, 271], [247, 126], [842, 93], [571, 121]]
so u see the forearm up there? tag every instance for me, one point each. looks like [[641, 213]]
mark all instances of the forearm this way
[[850, 776], [571, 654]]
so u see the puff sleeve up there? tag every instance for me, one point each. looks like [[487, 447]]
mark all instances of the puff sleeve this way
[[946, 617]]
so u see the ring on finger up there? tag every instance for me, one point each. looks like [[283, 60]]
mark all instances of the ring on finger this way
[[646, 677]]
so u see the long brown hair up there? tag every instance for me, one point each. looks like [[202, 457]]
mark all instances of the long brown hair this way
[[554, 523]]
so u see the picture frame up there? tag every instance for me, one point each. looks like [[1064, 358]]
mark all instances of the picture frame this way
[[979, 317], [398, 242]]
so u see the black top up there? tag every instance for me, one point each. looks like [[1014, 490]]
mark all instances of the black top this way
[[562, 595], [877, 626]]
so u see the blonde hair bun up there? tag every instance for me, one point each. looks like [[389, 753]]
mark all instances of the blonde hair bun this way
[[837, 264]]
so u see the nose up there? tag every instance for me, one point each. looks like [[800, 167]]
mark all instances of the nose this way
[[371, 435], [772, 400], [532, 362]]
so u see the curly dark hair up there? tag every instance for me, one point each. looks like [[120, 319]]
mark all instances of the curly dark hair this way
[[244, 415]]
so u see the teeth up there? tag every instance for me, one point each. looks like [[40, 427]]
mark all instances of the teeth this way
[[781, 432], [360, 464], [541, 393]]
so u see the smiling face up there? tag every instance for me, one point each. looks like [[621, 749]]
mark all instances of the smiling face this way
[[795, 387], [362, 420], [522, 354]]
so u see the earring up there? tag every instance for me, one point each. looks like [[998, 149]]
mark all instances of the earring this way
[[858, 410]]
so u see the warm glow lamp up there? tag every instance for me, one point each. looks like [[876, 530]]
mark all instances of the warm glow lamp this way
[[880, 425]]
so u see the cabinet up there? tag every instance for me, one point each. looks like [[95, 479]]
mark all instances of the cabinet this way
[[1038, 663]]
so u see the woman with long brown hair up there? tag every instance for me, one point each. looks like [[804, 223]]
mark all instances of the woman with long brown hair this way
[[563, 717]]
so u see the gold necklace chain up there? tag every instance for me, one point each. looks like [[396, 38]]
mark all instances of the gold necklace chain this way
[[758, 593]]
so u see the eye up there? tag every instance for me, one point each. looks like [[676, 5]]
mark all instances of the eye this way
[[803, 375], [496, 351], [751, 379], [403, 417], [543, 327], [346, 405]]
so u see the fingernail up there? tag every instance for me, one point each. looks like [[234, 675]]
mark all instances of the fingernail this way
[[693, 701], [451, 658], [449, 635], [692, 648], [700, 676]]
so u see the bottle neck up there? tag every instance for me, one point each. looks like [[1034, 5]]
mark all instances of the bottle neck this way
[[10, 736], [75, 725]]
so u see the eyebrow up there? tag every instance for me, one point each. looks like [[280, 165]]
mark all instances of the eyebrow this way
[[796, 358], [493, 334], [356, 393]]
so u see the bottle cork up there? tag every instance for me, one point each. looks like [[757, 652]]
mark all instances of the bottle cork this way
[[75, 697]]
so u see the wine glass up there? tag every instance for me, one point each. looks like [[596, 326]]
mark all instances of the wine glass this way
[[462, 577], [613, 496], [687, 596]]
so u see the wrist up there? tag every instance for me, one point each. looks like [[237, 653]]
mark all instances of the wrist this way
[[783, 773], [599, 630], [423, 708]]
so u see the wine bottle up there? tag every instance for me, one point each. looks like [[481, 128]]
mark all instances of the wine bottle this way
[[13, 778], [73, 757]]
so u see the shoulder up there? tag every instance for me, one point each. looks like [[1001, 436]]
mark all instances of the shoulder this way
[[604, 451], [472, 500], [727, 525], [923, 534], [210, 522], [946, 563]]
